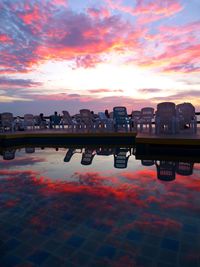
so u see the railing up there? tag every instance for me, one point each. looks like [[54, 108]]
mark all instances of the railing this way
[[48, 117]]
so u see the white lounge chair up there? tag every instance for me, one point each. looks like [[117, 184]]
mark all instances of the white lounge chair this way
[[135, 116], [29, 121], [166, 120], [105, 122], [186, 115], [121, 119], [7, 121], [68, 121], [146, 118]]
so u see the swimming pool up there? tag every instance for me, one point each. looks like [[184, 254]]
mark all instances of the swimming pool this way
[[97, 206]]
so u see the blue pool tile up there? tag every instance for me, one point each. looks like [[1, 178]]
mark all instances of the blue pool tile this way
[[106, 252], [11, 244], [9, 261], [170, 244], [135, 236], [75, 241], [38, 257], [193, 229]]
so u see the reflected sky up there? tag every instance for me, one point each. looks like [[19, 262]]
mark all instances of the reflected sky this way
[[96, 213]]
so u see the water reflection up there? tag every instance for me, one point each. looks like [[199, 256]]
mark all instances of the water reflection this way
[[166, 169], [98, 216]]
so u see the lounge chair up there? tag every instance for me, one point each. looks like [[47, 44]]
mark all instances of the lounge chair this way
[[105, 122], [121, 119], [166, 121], [68, 121], [146, 118], [186, 115], [87, 120], [135, 116], [29, 121], [7, 121]]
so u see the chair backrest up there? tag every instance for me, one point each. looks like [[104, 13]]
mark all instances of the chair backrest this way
[[147, 113], [7, 118], [135, 115], [187, 110], [166, 110], [166, 170], [67, 118], [120, 115], [86, 116], [9, 154], [29, 118], [102, 116]]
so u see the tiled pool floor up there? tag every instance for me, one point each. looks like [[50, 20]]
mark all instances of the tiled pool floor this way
[[122, 219]]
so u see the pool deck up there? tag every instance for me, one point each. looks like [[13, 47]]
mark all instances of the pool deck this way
[[185, 138]]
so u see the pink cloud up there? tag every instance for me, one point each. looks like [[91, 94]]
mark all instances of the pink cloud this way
[[98, 12]]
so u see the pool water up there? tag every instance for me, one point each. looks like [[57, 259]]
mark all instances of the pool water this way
[[97, 207]]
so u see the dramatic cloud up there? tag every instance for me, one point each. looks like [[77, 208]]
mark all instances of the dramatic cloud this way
[[10, 82]]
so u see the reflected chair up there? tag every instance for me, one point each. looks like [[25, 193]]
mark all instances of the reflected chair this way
[[166, 170], [30, 150], [121, 156], [9, 154], [121, 119], [87, 156], [104, 151], [147, 162], [184, 168]]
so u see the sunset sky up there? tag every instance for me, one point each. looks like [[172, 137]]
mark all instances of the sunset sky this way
[[72, 54]]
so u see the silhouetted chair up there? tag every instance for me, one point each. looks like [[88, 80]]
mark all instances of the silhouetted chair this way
[[186, 114], [121, 119], [7, 121], [146, 118], [29, 121], [135, 116], [166, 120]]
